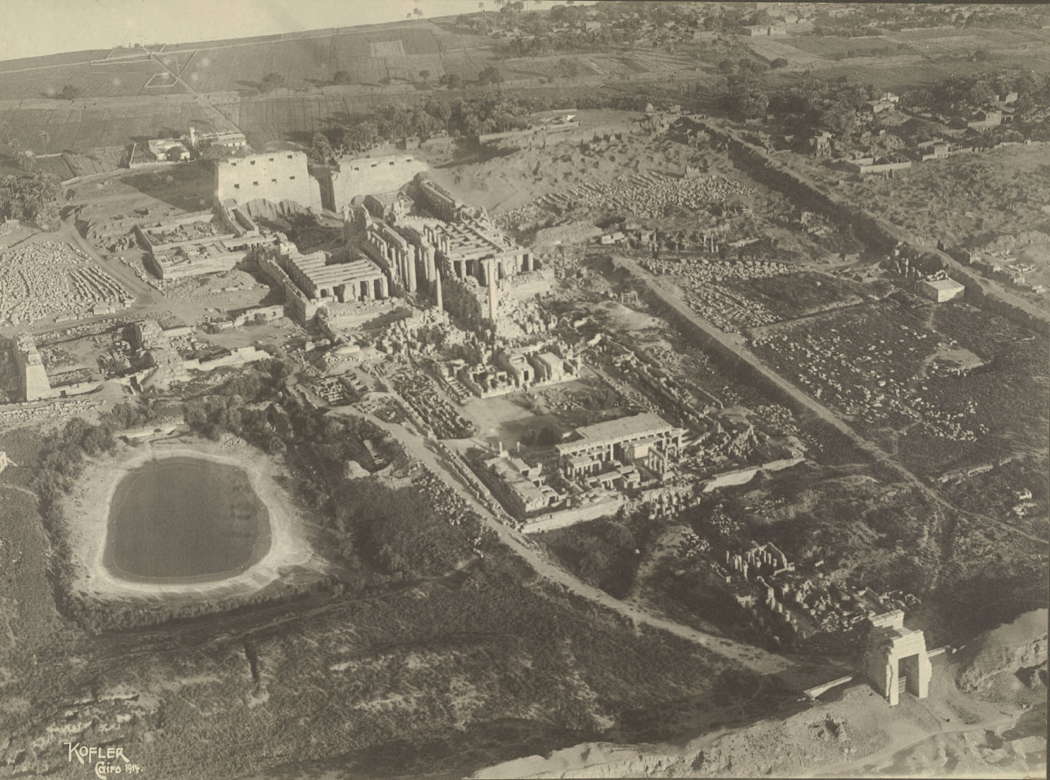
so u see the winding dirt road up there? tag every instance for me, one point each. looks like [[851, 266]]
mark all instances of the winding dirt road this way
[[753, 658]]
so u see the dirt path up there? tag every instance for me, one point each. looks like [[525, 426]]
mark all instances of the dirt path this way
[[753, 658], [142, 291], [23, 490]]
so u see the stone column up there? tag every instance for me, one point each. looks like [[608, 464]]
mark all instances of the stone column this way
[[410, 272]]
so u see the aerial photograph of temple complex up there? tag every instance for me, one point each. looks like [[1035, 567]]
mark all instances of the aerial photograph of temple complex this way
[[524, 389]]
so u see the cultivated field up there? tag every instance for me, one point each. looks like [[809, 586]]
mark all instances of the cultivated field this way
[[896, 60], [369, 54], [82, 126], [830, 47]]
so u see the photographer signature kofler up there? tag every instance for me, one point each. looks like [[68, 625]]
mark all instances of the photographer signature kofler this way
[[105, 761]]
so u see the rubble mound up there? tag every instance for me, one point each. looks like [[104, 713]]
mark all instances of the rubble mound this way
[[281, 213], [825, 736], [1010, 648]]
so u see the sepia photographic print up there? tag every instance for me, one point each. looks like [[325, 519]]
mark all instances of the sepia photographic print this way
[[504, 389]]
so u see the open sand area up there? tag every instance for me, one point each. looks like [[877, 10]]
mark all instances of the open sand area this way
[[87, 515]]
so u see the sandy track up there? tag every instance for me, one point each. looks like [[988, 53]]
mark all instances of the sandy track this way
[[86, 513], [751, 657]]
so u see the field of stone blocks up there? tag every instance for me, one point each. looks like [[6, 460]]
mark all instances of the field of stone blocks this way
[[870, 365], [699, 279], [42, 279], [647, 195]]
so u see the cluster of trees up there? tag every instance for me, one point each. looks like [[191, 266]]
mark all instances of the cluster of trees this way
[[69, 92], [835, 104], [601, 553], [31, 197], [813, 104], [821, 104], [565, 29], [487, 75], [490, 75], [460, 118], [606, 552], [465, 118], [959, 94], [400, 532], [242, 406], [61, 460], [745, 93]]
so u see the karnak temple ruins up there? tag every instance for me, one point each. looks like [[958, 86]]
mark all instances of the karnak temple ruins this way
[[554, 389]]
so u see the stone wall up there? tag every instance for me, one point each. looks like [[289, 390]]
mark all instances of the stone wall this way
[[361, 176], [32, 377], [878, 234], [566, 517], [276, 176]]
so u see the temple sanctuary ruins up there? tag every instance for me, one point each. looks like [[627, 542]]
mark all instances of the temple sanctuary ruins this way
[[202, 242], [521, 486], [624, 443], [461, 259], [322, 280], [896, 659]]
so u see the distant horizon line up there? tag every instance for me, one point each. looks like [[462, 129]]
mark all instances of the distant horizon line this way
[[152, 47], [444, 9]]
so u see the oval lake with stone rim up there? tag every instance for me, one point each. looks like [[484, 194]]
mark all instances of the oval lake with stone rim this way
[[184, 519]]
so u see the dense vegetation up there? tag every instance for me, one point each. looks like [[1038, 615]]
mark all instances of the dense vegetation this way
[[376, 532], [31, 197], [813, 104], [605, 552], [821, 103], [601, 553], [963, 95], [464, 118]]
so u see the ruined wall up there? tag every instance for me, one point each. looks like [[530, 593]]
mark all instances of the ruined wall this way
[[297, 306], [745, 475], [32, 377], [878, 234], [573, 233], [361, 176], [465, 300], [276, 177], [566, 517]]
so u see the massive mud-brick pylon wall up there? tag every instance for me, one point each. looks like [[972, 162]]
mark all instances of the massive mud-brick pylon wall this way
[[276, 176], [357, 177]]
